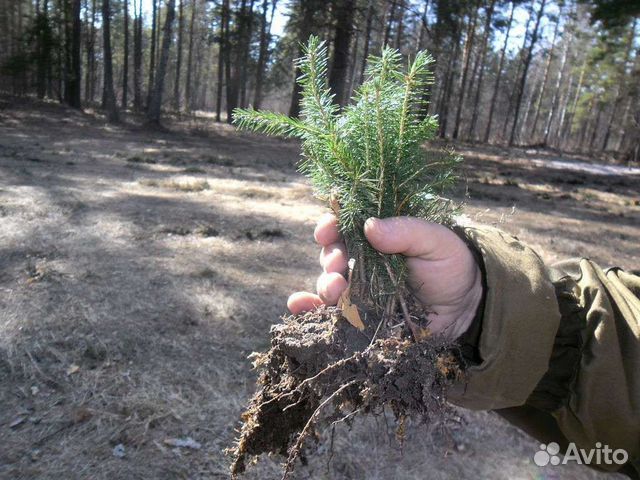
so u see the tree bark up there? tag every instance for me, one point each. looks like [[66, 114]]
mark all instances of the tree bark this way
[[188, 81], [465, 71], [125, 60], [152, 54], [621, 74], [222, 48], [556, 94], [137, 57], [523, 79], [265, 39], [545, 77], [243, 52], [485, 40], [155, 107], [176, 83], [108, 94], [343, 15], [367, 40], [73, 62], [304, 30]]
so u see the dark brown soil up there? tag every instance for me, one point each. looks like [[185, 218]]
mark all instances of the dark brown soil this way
[[320, 370]]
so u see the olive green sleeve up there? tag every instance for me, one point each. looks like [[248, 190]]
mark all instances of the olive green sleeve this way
[[561, 342]]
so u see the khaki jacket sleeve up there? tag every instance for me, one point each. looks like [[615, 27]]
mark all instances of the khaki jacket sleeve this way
[[559, 342]]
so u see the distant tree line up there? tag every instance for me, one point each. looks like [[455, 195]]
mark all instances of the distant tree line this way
[[554, 73]]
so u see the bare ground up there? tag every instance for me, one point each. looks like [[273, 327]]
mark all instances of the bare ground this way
[[139, 269]]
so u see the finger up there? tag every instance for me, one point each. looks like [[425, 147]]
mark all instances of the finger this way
[[303, 302], [410, 236], [326, 231], [333, 258], [330, 286]]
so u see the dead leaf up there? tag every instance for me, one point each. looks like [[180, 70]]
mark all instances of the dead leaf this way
[[73, 369], [349, 310]]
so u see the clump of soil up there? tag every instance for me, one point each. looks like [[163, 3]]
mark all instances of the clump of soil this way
[[321, 369]]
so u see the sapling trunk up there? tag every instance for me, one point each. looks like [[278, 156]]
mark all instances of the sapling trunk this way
[[366, 160]]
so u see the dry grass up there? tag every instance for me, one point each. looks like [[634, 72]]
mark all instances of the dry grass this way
[[182, 184], [127, 308]]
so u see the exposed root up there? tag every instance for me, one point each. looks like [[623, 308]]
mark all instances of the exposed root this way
[[320, 367]]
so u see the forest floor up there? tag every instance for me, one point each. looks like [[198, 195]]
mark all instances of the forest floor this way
[[139, 269]]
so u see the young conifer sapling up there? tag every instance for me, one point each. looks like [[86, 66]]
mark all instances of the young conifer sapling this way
[[366, 160]]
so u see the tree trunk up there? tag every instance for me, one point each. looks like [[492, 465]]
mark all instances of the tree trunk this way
[[188, 94], [125, 60], [620, 82], [243, 52], [231, 70], [545, 77], [176, 84], [367, 40], [485, 40], [387, 31], [340, 62], [137, 58], [152, 54], [523, 79], [400, 29], [465, 71], [556, 94], [108, 95], [265, 39], [155, 107], [222, 48], [305, 28]]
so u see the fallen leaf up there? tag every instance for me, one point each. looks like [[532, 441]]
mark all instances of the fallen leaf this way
[[349, 310], [73, 369]]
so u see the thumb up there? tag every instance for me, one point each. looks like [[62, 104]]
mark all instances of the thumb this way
[[410, 236]]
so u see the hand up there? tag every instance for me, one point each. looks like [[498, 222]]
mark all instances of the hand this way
[[442, 271]]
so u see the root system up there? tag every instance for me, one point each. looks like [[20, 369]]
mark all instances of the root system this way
[[320, 369]]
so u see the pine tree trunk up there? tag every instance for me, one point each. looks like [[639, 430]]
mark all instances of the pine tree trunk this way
[[523, 79], [343, 15], [155, 107], [620, 82], [231, 69], [367, 40], [265, 38], [485, 41], [465, 72], [137, 58], [556, 94], [222, 48], [247, 21], [389, 21], [545, 77], [152, 54], [125, 60], [188, 82], [400, 28], [514, 90], [176, 83], [108, 94], [308, 12]]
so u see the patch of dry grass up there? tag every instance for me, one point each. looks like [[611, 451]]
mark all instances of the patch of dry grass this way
[[182, 184]]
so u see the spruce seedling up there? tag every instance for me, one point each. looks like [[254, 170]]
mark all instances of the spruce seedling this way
[[368, 160]]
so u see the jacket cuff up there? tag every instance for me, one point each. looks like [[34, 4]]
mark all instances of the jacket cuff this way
[[517, 327]]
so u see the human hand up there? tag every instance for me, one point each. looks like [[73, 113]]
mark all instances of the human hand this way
[[443, 273]]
